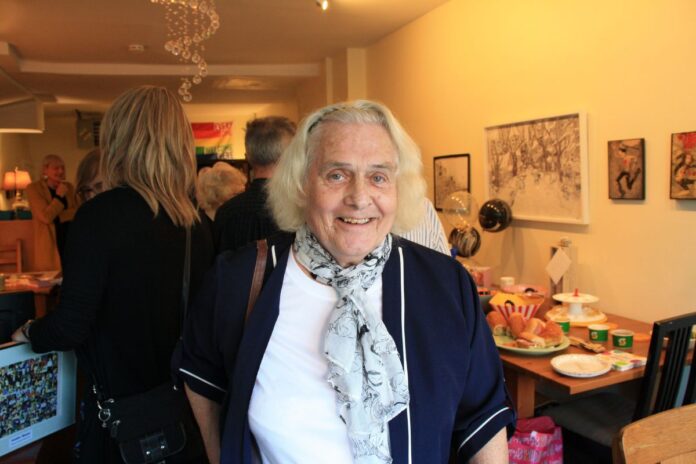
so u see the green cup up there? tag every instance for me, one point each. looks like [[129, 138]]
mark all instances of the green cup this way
[[565, 324], [599, 332], [622, 338]]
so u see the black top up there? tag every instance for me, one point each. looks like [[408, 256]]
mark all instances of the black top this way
[[61, 227], [244, 218], [121, 296]]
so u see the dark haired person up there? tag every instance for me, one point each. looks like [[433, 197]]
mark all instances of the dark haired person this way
[[245, 217]]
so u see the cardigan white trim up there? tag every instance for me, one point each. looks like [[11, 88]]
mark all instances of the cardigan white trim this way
[[403, 345], [480, 427], [191, 374]]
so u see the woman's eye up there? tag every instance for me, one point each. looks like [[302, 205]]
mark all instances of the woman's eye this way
[[335, 176], [379, 178]]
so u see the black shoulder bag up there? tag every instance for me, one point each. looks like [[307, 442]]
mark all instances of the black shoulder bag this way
[[154, 425]]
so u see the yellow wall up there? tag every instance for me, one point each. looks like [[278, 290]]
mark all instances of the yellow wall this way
[[628, 64]]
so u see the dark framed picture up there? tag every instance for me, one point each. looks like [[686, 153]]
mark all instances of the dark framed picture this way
[[626, 169], [683, 169], [451, 173]]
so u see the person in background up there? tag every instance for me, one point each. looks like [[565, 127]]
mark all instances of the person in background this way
[[429, 231], [53, 204], [120, 303], [245, 218], [216, 185], [88, 182], [381, 339]]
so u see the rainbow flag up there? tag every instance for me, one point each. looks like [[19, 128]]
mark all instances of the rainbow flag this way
[[213, 138]]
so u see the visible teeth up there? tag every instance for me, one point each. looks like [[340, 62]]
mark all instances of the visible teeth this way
[[356, 220]]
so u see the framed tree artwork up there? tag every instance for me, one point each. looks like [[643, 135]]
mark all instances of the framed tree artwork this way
[[540, 168], [451, 173], [626, 169], [683, 168]]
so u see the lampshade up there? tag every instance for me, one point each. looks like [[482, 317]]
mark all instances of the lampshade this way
[[16, 180], [23, 180]]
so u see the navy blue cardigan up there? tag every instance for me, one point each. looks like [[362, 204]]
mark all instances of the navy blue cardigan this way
[[458, 397]]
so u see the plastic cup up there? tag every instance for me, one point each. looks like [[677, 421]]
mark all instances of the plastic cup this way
[[622, 338], [598, 332], [565, 324]]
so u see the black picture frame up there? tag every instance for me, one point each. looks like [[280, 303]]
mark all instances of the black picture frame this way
[[451, 173], [626, 169]]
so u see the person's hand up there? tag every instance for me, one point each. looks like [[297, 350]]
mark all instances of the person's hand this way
[[62, 189], [18, 336]]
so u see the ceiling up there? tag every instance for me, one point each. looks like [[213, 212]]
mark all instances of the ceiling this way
[[73, 54]]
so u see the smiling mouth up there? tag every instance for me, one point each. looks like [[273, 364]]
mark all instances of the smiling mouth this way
[[358, 221]]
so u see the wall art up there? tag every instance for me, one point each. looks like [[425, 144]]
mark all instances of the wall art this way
[[626, 169], [540, 168], [683, 169], [451, 173]]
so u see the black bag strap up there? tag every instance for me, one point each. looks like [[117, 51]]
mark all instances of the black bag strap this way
[[257, 279]]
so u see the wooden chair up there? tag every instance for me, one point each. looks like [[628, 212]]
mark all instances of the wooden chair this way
[[12, 255], [667, 437], [599, 417]]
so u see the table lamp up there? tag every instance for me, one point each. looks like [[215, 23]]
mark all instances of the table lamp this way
[[14, 182]]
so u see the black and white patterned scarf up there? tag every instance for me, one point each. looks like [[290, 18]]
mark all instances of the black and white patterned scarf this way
[[364, 366]]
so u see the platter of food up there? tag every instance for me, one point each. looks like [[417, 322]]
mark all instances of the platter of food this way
[[530, 337], [580, 365], [509, 344]]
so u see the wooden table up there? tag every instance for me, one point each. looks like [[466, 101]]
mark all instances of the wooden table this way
[[523, 372]]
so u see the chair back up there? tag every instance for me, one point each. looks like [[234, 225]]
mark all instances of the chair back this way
[[11, 255], [659, 389], [667, 437]]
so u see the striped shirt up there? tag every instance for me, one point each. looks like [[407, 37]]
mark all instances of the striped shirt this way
[[429, 232]]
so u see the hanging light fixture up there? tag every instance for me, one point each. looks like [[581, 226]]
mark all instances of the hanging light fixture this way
[[189, 24]]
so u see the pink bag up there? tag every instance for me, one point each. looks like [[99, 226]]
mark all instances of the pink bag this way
[[537, 440]]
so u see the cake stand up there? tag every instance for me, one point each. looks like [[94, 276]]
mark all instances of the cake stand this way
[[574, 308]]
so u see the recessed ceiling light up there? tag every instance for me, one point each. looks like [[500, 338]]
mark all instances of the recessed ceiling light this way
[[323, 4], [136, 48]]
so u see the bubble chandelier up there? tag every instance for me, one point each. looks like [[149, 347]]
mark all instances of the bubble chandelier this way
[[189, 24]]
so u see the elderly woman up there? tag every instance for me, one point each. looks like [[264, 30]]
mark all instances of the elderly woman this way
[[216, 185], [121, 304], [362, 347], [53, 205]]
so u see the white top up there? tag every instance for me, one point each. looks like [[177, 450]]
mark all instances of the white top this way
[[292, 412], [429, 231]]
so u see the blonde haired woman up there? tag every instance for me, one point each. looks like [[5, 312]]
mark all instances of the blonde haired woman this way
[[53, 205], [120, 305], [381, 340], [216, 185]]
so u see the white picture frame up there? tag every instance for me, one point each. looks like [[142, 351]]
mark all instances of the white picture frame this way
[[540, 168]]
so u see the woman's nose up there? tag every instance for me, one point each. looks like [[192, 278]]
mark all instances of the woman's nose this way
[[358, 196]]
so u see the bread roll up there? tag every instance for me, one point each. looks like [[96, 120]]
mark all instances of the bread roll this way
[[497, 323], [552, 334], [517, 323], [535, 340], [535, 326]]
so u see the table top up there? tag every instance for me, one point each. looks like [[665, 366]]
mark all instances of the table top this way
[[539, 367]]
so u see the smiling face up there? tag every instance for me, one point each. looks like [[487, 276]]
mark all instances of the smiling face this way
[[351, 194], [54, 172]]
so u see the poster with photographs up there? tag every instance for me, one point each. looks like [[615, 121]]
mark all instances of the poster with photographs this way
[[626, 169]]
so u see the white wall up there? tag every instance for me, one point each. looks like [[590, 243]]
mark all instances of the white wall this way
[[628, 64]]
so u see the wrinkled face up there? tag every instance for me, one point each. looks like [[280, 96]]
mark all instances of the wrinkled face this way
[[351, 195], [54, 172]]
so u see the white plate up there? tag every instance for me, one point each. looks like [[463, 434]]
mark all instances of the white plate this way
[[501, 340], [580, 365]]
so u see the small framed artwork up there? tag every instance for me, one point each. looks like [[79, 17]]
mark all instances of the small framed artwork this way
[[451, 173], [683, 170], [626, 169], [540, 168]]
